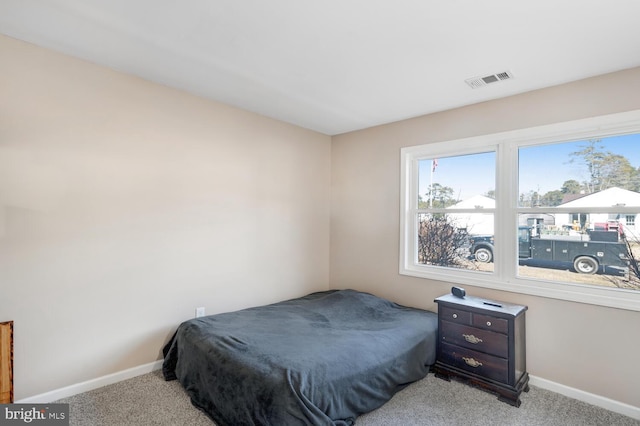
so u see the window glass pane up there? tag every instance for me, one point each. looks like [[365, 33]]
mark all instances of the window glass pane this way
[[463, 184], [581, 242], [446, 181], [585, 248], [564, 174], [443, 241]]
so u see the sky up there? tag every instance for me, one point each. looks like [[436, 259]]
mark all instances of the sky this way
[[543, 168], [467, 175]]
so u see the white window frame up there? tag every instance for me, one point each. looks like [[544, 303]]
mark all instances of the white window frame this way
[[506, 145]]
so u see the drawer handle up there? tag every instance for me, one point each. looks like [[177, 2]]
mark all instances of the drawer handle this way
[[488, 323], [455, 316], [472, 362], [472, 339]]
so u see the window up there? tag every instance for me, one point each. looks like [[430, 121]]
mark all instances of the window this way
[[578, 233], [548, 211], [454, 201]]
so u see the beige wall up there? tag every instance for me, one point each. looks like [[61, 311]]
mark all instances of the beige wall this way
[[125, 205], [590, 348]]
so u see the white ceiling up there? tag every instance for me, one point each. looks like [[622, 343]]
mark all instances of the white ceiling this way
[[339, 65]]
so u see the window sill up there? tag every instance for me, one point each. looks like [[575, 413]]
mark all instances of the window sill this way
[[588, 294]]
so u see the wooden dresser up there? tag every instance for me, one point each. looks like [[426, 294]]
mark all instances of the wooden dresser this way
[[482, 342]]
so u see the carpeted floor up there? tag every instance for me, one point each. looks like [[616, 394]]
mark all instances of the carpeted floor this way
[[149, 400]]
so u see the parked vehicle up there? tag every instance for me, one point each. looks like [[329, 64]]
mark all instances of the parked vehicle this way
[[587, 253]]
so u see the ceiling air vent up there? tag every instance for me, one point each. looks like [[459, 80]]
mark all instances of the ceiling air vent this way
[[477, 82]]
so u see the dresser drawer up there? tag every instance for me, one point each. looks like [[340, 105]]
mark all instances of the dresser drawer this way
[[479, 363], [455, 315], [474, 338], [499, 325]]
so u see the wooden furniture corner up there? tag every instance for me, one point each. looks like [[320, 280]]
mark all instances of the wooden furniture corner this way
[[6, 362]]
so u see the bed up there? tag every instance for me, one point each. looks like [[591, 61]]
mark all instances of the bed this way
[[321, 359]]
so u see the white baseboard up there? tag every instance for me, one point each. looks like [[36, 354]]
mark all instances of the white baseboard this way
[[589, 398], [99, 382]]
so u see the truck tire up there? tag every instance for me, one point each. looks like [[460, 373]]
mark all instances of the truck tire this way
[[585, 265], [484, 255]]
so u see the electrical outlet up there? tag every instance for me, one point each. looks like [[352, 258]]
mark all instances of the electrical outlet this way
[[199, 312]]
